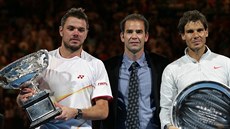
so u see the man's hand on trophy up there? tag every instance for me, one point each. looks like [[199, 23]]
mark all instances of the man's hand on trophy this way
[[170, 126], [67, 112], [25, 94], [173, 127]]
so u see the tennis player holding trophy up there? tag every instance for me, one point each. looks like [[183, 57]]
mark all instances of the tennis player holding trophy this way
[[195, 88]]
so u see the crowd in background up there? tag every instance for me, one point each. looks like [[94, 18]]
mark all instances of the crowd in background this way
[[27, 26]]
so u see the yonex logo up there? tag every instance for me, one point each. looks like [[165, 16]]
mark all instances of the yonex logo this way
[[80, 76]]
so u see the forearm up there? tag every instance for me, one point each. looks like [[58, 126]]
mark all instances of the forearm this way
[[168, 92], [164, 117], [97, 112], [166, 105]]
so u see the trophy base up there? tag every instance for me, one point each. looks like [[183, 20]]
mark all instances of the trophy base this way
[[44, 119], [40, 109]]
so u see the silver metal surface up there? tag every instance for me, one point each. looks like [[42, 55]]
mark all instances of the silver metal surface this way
[[38, 107], [24, 69], [202, 105]]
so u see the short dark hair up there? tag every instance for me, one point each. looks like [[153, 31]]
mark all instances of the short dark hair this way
[[75, 12], [134, 16], [193, 16]]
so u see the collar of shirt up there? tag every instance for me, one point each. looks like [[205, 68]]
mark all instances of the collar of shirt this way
[[127, 62], [208, 51]]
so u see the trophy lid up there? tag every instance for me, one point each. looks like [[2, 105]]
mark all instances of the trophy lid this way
[[24, 69]]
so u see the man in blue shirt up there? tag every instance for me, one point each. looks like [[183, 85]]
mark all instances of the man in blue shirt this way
[[134, 34]]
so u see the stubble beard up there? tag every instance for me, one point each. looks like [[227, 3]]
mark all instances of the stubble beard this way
[[197, 50], [72, 48]]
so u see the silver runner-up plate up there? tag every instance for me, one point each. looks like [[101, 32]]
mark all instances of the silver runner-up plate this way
[[202, 105], [39, 107]]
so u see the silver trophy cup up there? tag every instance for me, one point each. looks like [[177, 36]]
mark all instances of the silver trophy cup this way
[[202, 105], [38, 107]]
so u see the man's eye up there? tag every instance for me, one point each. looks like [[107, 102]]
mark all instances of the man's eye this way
[[129, 31], [190, 31], [200, 30], [139, 31], [81, 30], [71, 28]]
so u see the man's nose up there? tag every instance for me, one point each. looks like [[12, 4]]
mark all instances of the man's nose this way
[[195, 34], [134, 35], [76, 32]]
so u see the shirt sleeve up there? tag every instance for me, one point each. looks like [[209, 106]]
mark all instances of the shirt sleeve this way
[[168, 92], [102, 84], [228, 71]]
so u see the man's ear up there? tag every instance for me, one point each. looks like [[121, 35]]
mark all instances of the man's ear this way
[[206, 33], [61, 31], [182, 36], [146, 37], [122, 36]]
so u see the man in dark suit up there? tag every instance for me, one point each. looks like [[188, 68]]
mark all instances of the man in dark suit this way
[[134, 34]]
